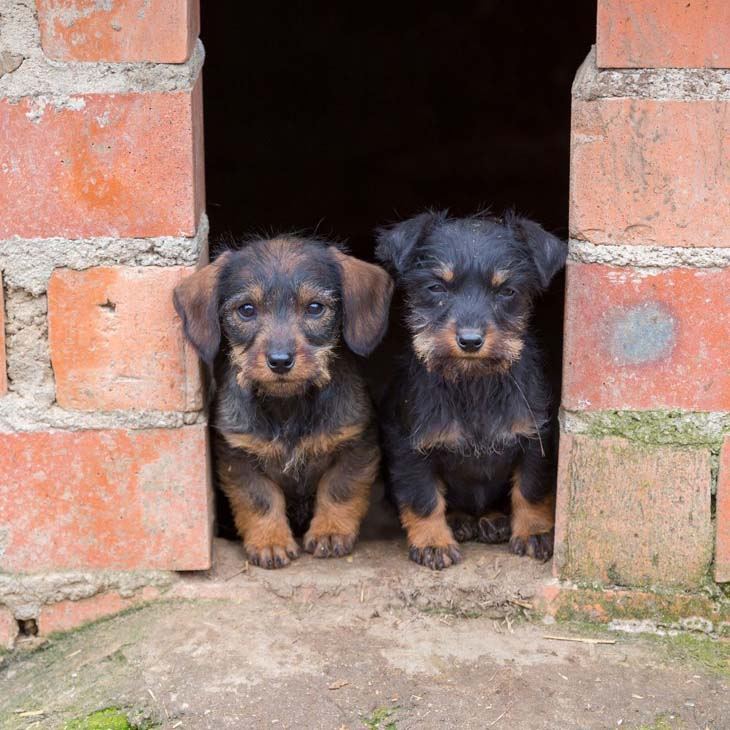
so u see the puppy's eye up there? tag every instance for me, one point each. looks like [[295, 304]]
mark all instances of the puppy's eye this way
[[315, 309], [247, 311], [506, 293], [437, 288]]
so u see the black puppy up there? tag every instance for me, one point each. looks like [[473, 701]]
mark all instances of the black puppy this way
[[298, 443], [467, 423]]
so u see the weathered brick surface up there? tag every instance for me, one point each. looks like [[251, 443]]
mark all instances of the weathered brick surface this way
[[3, 364], [632, 515], [122, 30], [116, 341], [66, 615], [650, 172], [8, 628], [102, 165], [104, 499], [722, 517], [636, 339], [568, 603], [663, 34]]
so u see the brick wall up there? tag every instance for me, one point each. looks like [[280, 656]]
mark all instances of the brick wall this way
[[646, 400], [102, 436]]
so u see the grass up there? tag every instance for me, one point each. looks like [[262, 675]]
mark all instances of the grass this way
[[712, 655], [660, 723]]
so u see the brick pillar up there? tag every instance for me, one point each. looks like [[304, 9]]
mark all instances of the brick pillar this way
[[646, 399], [103, 461]]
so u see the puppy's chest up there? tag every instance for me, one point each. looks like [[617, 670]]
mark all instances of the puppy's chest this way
[[469, 433], [291, 453]]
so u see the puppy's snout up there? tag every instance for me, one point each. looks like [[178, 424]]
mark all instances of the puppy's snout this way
[[469, 340], [280, 361]]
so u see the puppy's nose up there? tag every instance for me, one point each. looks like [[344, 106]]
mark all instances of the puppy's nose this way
[[469, 340], [280, 361]]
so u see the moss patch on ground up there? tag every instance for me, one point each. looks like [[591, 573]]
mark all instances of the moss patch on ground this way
[[381, 719], [109, 719]]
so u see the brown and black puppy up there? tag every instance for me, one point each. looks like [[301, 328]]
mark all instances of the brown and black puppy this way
[[298, 450], [469, 422]]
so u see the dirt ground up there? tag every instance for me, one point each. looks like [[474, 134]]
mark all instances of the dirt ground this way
[[369, 642]]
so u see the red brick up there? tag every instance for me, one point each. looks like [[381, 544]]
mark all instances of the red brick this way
[[66, 615], [8, 628], [105, 499], [116, 341], [722, 516], [650, 172], [631, 514], [162, 31], [644, 340], [102, 165], [663, 34], [3, 365]]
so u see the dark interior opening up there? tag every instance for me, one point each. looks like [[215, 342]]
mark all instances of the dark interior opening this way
[[338, 118]]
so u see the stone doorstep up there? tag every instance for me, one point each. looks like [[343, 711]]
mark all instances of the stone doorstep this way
[[378, 576]]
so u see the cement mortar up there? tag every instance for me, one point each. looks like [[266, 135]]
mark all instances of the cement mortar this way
[[26, 346], [20, 414], [59, 81], [679, 428], [24, 595], [649, 257], [28, 263], [683, 84]]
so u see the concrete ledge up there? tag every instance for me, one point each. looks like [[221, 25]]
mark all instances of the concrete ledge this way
[[648, 257], [27, 263], [684, 84]]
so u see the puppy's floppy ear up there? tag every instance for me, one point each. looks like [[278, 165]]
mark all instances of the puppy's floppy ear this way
[[196, 302], [548, 251], [366, 293], [397, 243]]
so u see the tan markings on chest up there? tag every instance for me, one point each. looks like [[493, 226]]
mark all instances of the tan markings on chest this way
[[450, 437], [292, 457]]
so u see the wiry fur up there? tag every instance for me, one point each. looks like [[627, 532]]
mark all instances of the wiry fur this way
[[297, 450], [470, 427]]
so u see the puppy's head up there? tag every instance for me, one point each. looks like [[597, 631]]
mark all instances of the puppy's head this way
[[469, 286], [282, 305]]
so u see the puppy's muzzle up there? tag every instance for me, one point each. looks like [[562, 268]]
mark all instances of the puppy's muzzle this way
[[280, 361]]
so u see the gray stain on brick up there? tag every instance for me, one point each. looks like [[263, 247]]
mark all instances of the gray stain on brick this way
[[642, 334]]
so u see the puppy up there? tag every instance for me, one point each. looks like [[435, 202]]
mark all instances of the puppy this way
[[297, 448], [467, 423]]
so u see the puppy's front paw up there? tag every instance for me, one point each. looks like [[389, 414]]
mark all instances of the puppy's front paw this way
[[327, 545], [493, 528], [463, 526], [436, 558], [272, 556], [538, 546]]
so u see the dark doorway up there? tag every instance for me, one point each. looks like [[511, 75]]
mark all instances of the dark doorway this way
[[340, 117], [344, 116]]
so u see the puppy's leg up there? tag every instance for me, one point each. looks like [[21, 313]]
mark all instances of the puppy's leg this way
[[431, 542], [259, 511], [342, 500], [533, 507]]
